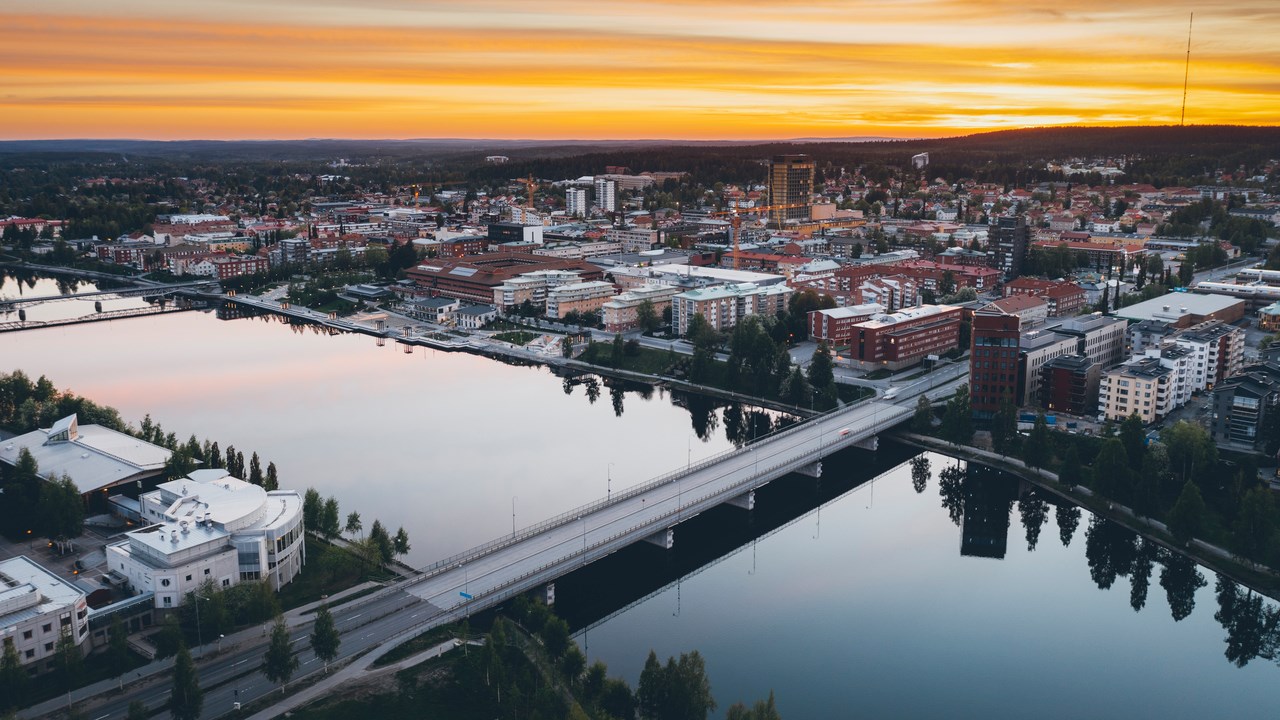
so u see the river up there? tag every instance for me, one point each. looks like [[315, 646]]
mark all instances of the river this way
[[852, 595]]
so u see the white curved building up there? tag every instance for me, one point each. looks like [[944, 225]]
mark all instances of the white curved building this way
[[212, 527]]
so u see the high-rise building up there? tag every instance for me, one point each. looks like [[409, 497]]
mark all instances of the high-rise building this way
[[1008, 238], [790, 183], [993, 363], [606, 194], [576, 202]]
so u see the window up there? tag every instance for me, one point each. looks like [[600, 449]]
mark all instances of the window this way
[[226, 582], [168, 601], [48, 647], [164, 582], [47, 627], [188, 578], [30, 654], [206, 571], [26, 635]]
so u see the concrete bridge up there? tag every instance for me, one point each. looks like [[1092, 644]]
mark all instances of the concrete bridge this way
[[536, 556]]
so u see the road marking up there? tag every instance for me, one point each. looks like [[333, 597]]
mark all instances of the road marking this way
[[103, 716], [241, 662]]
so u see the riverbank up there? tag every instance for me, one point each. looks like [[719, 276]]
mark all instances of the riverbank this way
[[1260, 579]]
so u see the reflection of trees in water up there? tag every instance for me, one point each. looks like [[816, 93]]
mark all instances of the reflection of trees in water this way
[[920, 473], [1252, 624], [615, 395]]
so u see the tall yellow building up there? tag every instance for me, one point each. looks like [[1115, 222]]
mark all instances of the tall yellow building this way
[[790, 183]]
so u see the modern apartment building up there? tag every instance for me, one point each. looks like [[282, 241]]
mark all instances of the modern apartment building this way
[[606, 194], [620, 312], [576, 202], [1242, 405], [578, 297], [993, 362], [724, 306], [790, 183], [1069, 384], [1007, 240], [1036, 348], [1144, 386]]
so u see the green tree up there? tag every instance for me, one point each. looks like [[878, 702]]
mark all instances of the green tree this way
[[117, 643], [324, 637], [329, 526], [137, 711], [187, 699], [922, 420], [1192, 453], [1186, 519], [555, 636], [615, 351], [169, 639], [1069, 473], [1111, 470], [647, 317], [61, 509], [255, 470], [566, 347], [13, 679], [354, 526], [279, 662], [1255, 525], [1134, 439], [957, 421], [795, 389], [762, 710], [401, 542], [382, 541], [312, 507], [1036, 451], [272, 480]]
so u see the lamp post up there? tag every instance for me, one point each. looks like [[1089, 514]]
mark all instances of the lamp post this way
[[513, 515], [609, 484], [199, 631]]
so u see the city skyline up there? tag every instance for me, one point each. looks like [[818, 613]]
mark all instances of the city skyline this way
[[570, 69]]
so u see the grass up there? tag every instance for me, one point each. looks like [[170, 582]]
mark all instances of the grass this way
[[647, 360], [425, 641], [97, 667], [516, 337], [330, 569]]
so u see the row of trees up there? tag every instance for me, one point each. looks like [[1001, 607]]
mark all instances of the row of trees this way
[[1180, 480], [31, 507], [380, 547]]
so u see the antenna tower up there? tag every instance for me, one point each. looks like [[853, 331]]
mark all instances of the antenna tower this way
[[1186, 72]]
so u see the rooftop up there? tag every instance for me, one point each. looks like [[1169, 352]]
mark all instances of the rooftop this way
[[1171, 306], [93, 456], [27, 590]]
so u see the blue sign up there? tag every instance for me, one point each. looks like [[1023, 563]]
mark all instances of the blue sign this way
[[466, 596]]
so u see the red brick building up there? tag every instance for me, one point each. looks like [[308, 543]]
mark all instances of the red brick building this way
[[475, 276], [236, 265], [1064, 298], [904, 338], [837, 325], [993, 362]]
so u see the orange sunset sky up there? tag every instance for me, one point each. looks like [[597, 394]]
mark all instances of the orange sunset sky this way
[[692, 69]]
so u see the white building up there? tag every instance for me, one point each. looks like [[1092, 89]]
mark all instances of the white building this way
[[606, 194], [35, 606], [581, 296], [1143, 386], [210, 527], [93, 456], [725, 306], [576, 202], [632, 239]]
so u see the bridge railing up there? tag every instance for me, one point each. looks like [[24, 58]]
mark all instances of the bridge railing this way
[[621, 496]]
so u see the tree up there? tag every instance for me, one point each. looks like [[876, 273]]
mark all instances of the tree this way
[[117, 642], [762, 710], [13, 679], [957, 421], [1186, 519], [169, 640], [137, 711], [272, 480], [1192, 453], [651, 693], [312, 507], [401, 542], [382, 542], [324, 637], [795, 389], [1004, 428], [255, 470], [1255, 526], [566, 347], [1134, 439], [1069, 470], [615, 351], [922, 420], [647, 317], [354, 526], [329, 526], [822, 377], [61, 509], [279, 662], [919, 473], [187, 699], [1111, 470], [1036, 451], [555, 636]]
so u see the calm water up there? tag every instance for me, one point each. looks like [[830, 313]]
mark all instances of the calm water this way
[[854, 595]]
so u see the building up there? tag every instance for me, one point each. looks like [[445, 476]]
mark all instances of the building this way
[[474, 317], [1100, 337], [1032, 309], [1069, 384], [210, 527], [437, 310], [532, 287], [509, 232], [462, 245], [790, 184], [1007, 240], [575, 200], [1149, 333], [904, 338], [1064, 298], [1242, 405], [1143, 386], [836, 326], [1218, 351], [1269, 318], [578, 297], [1036, 349], [475, 277], [724, 306], [632, 240], [934, 276], [36, 607], [620, 312], [993, 362], [606, 194], [1186, 309], [95, 457], [231, 266]]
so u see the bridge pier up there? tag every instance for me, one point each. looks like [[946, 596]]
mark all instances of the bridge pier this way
[[665, 539], [746, 501], [870, 443], [813, 469], [550, 594]]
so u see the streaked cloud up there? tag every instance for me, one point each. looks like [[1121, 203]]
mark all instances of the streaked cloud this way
[[649, 68]]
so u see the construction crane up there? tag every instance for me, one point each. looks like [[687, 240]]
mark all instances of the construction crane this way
[[735, 220], [530, 186]]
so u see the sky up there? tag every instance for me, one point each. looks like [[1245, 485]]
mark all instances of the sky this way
[[573, 69]]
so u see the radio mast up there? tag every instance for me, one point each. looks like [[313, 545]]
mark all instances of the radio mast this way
[[1186, 72]]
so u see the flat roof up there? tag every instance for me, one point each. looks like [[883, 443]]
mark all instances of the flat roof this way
[[95, 458], [28, 590], [1171, 306]]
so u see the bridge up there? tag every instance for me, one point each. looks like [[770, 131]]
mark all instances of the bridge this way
[[536, 556], [11, 304], [21, 305]]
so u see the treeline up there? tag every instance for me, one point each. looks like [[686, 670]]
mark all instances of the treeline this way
[[1180, 480], [321, 516], [1113, 552]]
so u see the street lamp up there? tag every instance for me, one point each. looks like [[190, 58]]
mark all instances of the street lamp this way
[[609, 484], [513, 515]]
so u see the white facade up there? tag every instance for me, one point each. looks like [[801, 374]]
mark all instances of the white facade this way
[[606, 194], [1143, 387], [210, 527], [725, 306], [35, 605], [576, 202]]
